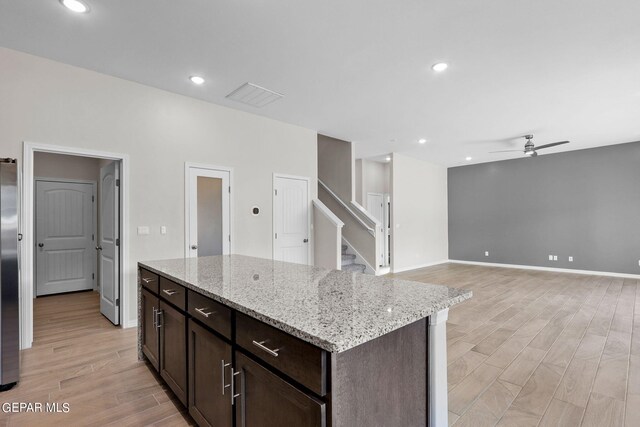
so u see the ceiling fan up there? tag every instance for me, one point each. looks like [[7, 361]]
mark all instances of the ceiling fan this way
[[530, 149]]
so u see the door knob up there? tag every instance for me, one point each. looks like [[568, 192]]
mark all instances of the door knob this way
[[40, 245], [98, 248], [305, 240], [194, 247]]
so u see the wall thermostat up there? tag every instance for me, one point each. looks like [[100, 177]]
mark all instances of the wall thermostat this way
[[255, 211]]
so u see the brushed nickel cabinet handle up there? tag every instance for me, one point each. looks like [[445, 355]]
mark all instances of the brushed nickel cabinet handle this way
[[204, 313], [155, 320], [170, 292], [233, 386], [223, 367], [261, 346], [158, 314], [148, 280]]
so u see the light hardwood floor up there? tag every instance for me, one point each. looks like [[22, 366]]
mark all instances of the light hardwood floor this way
[[531, 348], [80, 358], [541, 348]]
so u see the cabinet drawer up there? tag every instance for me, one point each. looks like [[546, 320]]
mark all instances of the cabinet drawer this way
[[149, 280], [173, 293], [303, 362], [211, 313]]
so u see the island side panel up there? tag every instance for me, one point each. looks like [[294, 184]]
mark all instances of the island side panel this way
[[437, 379], [382, 382]]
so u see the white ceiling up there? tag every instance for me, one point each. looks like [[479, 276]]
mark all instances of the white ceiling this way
[[360, 70]]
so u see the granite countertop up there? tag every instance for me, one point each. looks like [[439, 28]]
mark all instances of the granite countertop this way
[[334, 310]]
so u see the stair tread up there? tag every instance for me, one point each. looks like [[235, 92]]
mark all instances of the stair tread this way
[[354, 268]]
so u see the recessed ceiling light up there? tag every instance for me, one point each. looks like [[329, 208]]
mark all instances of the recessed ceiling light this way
[[388, 158], [439, 67], [468, 158], [75, 6], [422, 141], [196, 80]]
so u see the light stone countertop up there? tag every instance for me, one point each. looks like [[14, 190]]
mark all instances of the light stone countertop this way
[[334, 310]]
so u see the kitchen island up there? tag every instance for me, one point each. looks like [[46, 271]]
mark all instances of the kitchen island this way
[[246, 341]]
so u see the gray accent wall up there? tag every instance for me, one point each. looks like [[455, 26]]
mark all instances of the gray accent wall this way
[[584, 204]]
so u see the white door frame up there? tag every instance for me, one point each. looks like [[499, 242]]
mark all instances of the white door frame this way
[[187, 192], [273, 214], [27, 230], [94, 218]]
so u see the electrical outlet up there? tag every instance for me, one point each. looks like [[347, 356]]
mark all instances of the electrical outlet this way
[[486, 253], [550, 257], [570, 259], [163, 229], [143, 230], [555, 257]]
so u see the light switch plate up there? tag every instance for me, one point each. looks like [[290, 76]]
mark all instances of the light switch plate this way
[[486, 253], [555, 257], [163, 229], [570, 259], [550, 257], [143, 230]]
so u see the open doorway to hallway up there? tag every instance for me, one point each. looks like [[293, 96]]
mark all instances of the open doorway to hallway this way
[[77, 233]]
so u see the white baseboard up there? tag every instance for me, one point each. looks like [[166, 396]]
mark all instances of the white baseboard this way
[[553, 269], [132, 323], [419, 266]]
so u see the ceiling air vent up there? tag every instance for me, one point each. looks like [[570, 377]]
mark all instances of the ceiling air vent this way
[[254, 95]]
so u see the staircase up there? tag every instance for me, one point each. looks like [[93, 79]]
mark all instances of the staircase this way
[[349, 262]]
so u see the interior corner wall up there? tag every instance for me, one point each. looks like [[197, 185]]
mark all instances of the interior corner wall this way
[[419, 236], [336, 166], [584, 204], [48, 102]]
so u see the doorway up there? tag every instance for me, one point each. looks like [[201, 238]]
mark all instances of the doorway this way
[[208, 210], [378, 205], [291, 219], [81, 225]]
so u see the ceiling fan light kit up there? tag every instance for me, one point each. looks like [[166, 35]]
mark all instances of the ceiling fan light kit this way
[[530, 150]]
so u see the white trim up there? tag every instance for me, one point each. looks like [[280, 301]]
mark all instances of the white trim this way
[[366, 213], [419, 266], [26, 250], [357, 217], [327, 213], [187, 192], [311, 241], [94, 220], [553, 269], [359, 258]]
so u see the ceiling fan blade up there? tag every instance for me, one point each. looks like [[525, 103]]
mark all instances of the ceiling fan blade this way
[[553, 144], [505, 151]]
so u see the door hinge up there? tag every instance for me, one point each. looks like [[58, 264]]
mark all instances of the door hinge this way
[[276, 235], [117, 302], [117, 242], [93, 237], [93, 198], [276, 191], [117, 183], [93, 276], [229, 189], [229, 237]]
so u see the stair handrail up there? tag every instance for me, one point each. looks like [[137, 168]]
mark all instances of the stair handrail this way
[[371, 230], [327, 213]]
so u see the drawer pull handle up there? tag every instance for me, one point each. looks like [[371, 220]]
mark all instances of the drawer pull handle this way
[[223, 367], [170, 292], [159, 313], [204, 313], [261, 346], [147, 280]]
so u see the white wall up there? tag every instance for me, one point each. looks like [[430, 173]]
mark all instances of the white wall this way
[[418, 213], [52, 103], [371, 177], [51, 165]]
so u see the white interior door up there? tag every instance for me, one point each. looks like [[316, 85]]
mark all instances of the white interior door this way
[[208, 212], [375, 206], [109, 242], [291, 220], [65, 259]]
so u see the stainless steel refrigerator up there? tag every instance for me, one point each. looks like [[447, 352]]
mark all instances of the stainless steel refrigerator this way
[[9, 289]]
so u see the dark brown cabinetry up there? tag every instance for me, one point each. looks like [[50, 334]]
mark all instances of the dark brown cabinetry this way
[[149, 305], [173, 349], [266, 400], [209, 377]]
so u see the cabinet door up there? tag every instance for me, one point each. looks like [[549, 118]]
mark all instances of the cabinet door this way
[[266, 400], [209, 399], [173, 350], [150, 342]]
